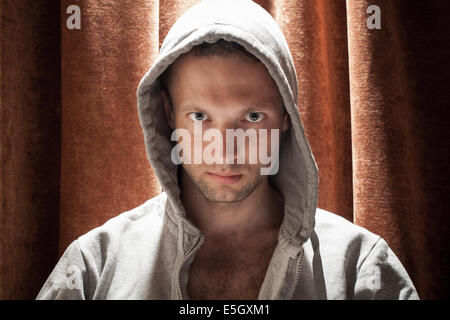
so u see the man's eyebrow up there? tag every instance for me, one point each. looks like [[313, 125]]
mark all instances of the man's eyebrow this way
[[261, 106], [252, 107], [193, 107]]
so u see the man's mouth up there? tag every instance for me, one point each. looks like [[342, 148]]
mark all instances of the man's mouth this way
[[225, 178]]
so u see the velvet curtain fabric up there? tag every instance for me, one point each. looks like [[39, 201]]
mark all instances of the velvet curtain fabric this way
[[374, 104]]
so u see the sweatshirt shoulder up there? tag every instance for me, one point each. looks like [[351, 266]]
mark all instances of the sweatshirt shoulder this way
[[142, 221], [358, 263], [117, 244], [342, 238], [335, 226]]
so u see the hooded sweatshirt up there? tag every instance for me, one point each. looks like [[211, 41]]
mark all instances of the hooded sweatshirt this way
[[145, 253]]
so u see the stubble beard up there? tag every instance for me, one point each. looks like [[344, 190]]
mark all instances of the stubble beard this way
[[225, 194]]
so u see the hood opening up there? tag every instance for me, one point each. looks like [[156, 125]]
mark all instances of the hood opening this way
[[258, 33]]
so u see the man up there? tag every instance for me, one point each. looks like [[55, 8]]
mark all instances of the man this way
[[223, 229]]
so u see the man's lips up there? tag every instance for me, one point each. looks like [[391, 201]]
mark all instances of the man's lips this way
[[225, 178]]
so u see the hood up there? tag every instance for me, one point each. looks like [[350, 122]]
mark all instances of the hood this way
[[251, 26]]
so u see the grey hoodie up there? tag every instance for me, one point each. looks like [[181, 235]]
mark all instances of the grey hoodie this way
[[145, 253]]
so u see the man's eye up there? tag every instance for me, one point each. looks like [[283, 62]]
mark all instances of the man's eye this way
[[198, 116], [254, 116]]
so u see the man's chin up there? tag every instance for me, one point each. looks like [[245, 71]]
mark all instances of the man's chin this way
[[224, 194], [227, 193], [224, 199]]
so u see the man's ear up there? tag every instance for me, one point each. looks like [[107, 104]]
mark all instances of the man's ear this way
[[286, 121], [168, 109]]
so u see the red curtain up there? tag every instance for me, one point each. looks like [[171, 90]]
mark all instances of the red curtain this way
[[373, 103]]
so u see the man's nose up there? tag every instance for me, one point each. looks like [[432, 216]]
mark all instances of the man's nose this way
[[223, 126]]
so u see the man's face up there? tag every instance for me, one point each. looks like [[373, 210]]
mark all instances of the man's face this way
[[224, 92]]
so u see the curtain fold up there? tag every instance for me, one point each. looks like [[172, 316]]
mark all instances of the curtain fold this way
[[316, 32], [30, 101], [104, 168], [374, 103], [400, 176]]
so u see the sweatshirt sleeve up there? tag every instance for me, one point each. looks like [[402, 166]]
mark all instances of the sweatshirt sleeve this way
[[68, 280], [383, 277]]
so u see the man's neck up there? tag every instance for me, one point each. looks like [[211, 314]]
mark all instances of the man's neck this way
[[261, 211]]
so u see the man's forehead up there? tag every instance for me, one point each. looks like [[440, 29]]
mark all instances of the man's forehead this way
[[210, 64], [236, 96], [222, 72], [213, 82]]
